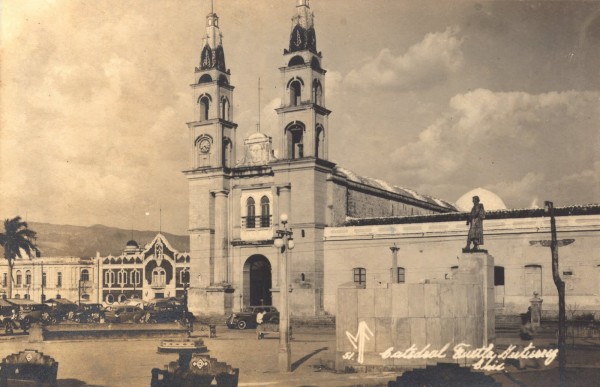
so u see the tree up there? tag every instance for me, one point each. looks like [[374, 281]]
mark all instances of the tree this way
[[16, 239]]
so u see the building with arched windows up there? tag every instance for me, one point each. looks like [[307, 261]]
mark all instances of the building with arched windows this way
[[155, 270], [42, 278], [235, 203]]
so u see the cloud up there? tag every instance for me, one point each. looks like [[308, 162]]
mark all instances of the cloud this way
[[424, 64], [517, 144]]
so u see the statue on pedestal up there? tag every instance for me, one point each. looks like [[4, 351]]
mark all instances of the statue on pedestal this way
[[475, 221]]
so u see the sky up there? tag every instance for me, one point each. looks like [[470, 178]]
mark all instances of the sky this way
[[437, 96]]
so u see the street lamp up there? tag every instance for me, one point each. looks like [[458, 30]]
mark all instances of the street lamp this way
[[284, 243]]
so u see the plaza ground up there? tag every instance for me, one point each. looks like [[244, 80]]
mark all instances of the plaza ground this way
[[128, 363]]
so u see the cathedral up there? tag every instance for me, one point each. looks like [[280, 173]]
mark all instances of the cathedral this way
[[344, 227], [236, 201]]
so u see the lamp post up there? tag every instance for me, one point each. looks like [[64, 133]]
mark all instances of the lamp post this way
[[394, 250], [284, 243]]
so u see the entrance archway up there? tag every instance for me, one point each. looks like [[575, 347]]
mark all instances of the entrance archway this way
[[257, 281]]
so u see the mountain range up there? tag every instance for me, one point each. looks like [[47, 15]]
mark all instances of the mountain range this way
[[55, 240]]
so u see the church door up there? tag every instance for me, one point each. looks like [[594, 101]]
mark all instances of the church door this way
[[257, 281]]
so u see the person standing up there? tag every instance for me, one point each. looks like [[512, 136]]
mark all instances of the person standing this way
[[475, 222]]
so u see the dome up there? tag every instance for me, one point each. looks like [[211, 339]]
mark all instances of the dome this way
[[132, 243], [257, 136], [490, 200]]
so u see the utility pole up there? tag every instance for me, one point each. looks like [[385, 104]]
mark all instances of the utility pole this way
[[554, 244]]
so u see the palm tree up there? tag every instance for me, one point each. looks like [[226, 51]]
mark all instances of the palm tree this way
[[16, 240]]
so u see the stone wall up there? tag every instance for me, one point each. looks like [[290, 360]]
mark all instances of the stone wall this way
[[398, 316]]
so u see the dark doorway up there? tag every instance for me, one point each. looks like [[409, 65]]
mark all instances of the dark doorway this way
[[257, 281]]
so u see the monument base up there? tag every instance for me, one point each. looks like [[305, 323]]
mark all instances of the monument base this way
[[211, 301]]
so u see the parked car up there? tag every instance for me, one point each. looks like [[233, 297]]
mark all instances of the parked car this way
[[61, 309], [88, 313], [247, 318], [7, 319], [29, 312], [167, 310], [122, 314]]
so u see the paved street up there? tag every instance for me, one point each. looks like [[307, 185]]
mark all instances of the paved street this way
[[128, 363]]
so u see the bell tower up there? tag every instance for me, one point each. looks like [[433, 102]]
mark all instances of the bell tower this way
[[302, 115], [212, 133]]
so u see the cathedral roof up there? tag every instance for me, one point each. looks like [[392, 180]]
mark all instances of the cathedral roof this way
[[380, 184]]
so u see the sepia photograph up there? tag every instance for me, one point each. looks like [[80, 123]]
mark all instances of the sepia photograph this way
[[299, 193]]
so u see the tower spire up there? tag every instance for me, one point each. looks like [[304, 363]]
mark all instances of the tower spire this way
[[303, 35], [212, 53]]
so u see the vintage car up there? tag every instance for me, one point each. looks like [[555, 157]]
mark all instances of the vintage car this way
[[163, 310], [247, 318], [89, 313], [124, 313], [61, 309], [29, 312]]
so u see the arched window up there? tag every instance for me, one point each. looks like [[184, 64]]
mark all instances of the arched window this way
[[85, 275], [295, 61], [206, 78], [135, 277], [122, 298], [59, 279], [27, 296], [360, 275], [317, 90], [227, 149], [250, 213], [295, 93], [122, 277], [27, 277], [265, 212], [295, 141], [158, 277], [204, 107], [319, 149], [109, 278], [225, 108], [19, 280]]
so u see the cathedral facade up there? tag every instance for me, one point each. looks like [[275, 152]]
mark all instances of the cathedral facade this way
[[236, 201]]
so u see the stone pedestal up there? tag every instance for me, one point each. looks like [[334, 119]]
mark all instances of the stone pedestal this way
[[536, 310], [35, 333], [211, 301]]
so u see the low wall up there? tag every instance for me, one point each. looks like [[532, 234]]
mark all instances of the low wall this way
[[377, 327], [113, 331]]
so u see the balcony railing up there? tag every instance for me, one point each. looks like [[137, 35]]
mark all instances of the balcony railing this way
[[256, 222]]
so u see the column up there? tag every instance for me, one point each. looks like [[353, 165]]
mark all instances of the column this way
[[221, 257]]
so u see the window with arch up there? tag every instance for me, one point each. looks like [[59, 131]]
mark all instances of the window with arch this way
[[227, 150], [204, 107], [136, 278], [122, 297], [85, 275], [109, 278], [27, 296], [159, 277], [295, 93], [27, 277], [265, 212], [122, 277], [110, 299], [225, 109], [59, 279], [250, 213], [4, 279], [360, 275], [17, 296], [19, 278], [317, 93], [295, 141], [319, 148]]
